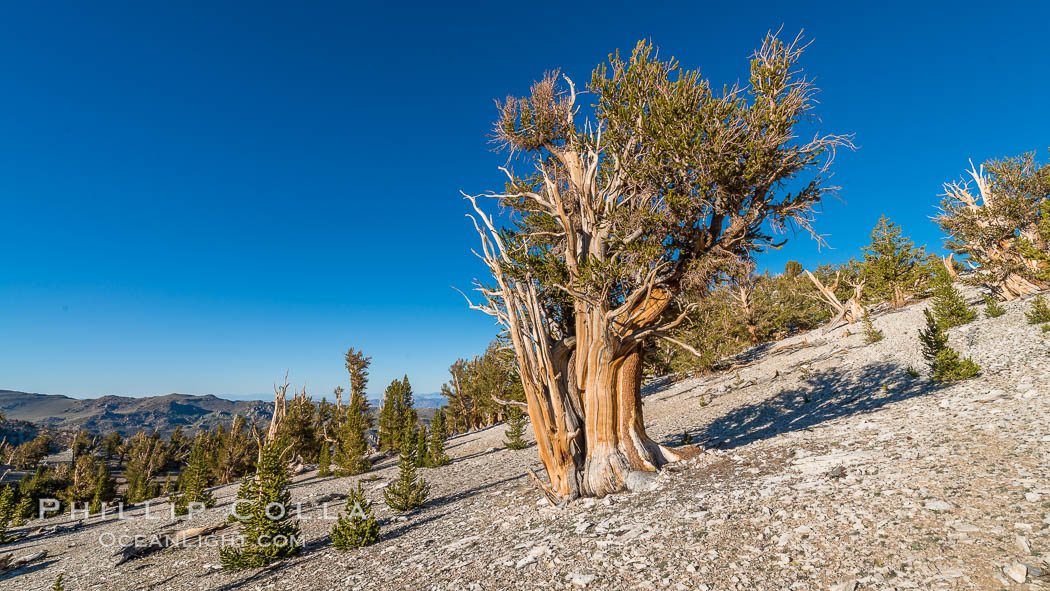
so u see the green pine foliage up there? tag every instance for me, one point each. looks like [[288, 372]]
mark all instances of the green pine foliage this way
[[893, 269], [58, 584], [949, 307], [195, 480], [422, 451], [410, 491], [8, 509], [351, 452], [324, 461], [267, 537], [147, 454], [945, 363], [397, 417], [515, 429], [1039, 313], [358, 526], [871, 334], [105, 490], [992, 307], [438, 457]]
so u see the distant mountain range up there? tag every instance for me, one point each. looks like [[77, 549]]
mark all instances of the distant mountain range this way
[[128, 414]]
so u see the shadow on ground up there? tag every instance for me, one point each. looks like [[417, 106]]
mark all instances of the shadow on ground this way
[[826, 395]]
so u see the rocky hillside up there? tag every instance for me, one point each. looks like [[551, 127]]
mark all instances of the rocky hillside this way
[[825, 466], [127, 415]]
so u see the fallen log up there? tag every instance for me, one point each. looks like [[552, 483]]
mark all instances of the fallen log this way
[[148, 544], [8, 564]]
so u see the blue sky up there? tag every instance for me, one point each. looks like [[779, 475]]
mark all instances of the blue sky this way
[[196, 196]]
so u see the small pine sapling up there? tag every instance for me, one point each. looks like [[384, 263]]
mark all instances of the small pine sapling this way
[[438, 457], [8, 510], [992, 307], [949, 307], [687, 438], [409, 492], [422, 453], [358, 527], [58, 585], [324, 461], [515, 429], [871, 334], [264, 514], [195, 481], [945, 363], [1040, 311]]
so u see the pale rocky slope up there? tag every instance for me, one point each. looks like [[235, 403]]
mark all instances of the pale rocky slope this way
[[826, 467]]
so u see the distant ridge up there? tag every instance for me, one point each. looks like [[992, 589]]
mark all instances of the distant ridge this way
[[126, 415]]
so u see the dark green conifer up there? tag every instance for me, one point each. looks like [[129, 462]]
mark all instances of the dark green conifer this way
[[324, 461], [871, 334], [351, 453], [949, 307], [422, 451], [409, 492], [8, 510], [105, 490], [265, 514], [515, 429], [1039, 313], [438, 457], [893, 268], [992, 308], [195, 480], [358, 526], [945, 363]]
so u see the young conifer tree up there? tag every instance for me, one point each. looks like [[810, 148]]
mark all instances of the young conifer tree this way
[[945, 363], [422, 451], [358, 527], [8, 511], [871, 334], [438, 457], [195, 480], [105, 490], [992, 307], [324, 460], [1039, 313], [892, 267], [264, 513], [515, 429], [949, 307], [410, 491], [351, 452]]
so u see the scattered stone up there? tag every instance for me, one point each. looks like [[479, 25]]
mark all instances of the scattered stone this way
[[1017, 571], [938, 506], [581, 580], [640, 480]]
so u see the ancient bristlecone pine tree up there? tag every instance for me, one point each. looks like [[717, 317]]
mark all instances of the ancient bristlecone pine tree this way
[[1004, 230], [668, 182]]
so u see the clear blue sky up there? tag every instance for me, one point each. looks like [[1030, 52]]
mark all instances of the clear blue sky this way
[[196, 196]]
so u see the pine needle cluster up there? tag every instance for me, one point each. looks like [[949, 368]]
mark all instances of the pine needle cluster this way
[[195, 481], [515, 429], [871, 334], [358, 527], [264, 513], [946, 365], [992, 307], [410, 491], [1039, 313]]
